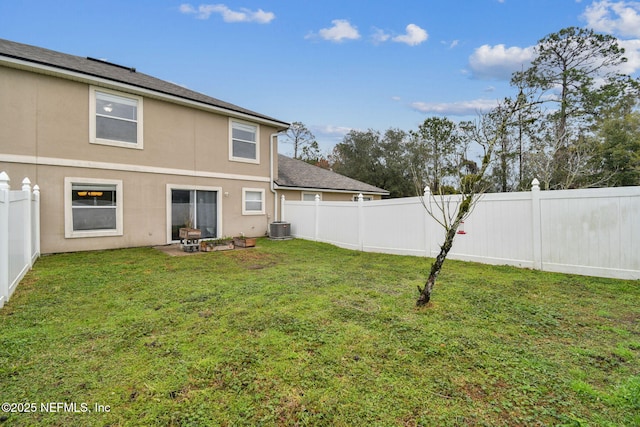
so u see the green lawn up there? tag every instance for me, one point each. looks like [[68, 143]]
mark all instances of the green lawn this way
[[300, 333]]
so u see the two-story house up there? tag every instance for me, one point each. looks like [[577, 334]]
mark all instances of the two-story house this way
[[124, 159]]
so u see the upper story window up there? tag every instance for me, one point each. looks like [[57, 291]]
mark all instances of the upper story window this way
[[243, 144], [115, 118]]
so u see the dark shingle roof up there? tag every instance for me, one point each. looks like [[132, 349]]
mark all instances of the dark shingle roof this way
[[116, 73], [298, 174]]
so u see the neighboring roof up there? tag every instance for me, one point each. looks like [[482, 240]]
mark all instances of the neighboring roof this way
[[299, 175], [96, 68]]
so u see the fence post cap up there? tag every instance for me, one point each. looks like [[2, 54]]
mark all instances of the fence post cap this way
[[36, 189], [26, 184], [427, 190], [360, 197], [4, 180], [535, 184]]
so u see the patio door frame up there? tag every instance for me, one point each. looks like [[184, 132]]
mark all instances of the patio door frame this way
[[169, 203]]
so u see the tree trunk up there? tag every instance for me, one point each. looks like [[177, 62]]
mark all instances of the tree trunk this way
[[425, 292], [504, 164]]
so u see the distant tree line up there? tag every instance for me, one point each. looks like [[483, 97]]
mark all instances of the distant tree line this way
[[577, 126]]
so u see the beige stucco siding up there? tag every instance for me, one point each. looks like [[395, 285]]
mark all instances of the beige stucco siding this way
[[44, 135], [49, 117], [18, 108], [44, 116], [145, 206]]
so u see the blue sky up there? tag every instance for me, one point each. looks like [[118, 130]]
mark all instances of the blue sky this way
[[334, 65]]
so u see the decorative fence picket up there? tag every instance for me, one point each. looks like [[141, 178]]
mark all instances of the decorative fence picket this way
[[19, 233]]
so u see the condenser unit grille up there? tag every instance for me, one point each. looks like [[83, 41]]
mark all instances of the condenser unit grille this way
[[280, 230]]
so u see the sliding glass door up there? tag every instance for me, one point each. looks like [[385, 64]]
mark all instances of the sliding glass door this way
[[206, 208], [195, 209]]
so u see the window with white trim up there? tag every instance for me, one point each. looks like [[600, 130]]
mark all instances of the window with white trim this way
[[310, 197], [253, 201], [243, 142], [93, 207], [115, 118]]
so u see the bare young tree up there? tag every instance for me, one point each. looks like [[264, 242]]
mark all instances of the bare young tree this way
[[300, 137], [559, 167], [449, 211]]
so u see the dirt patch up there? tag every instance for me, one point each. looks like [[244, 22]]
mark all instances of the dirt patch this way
[[259, 266], [247, 256], [251, 259]]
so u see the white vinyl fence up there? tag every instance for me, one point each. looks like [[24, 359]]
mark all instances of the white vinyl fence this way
[[592, 232], [19, 233]]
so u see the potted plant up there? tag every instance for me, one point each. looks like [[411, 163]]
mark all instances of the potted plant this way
[[244, 242]]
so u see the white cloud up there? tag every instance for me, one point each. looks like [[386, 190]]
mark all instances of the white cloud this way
[[499, 62], [614, 17], [414, 36], [341, 30], [187, 8], [460, 108], [204, 11], [330, 130], [450, 44], [621, 18], [263, 17], [329, 135], [379, 36], [632, 53]]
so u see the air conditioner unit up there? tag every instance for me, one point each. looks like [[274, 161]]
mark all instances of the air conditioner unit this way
[[280, 230]]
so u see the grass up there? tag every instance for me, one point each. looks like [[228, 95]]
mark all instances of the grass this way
[[300, 333]]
